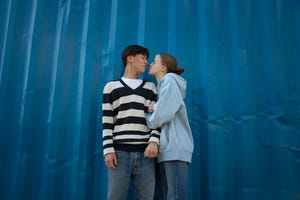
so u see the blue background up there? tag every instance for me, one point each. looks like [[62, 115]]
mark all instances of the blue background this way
[[242, 64]]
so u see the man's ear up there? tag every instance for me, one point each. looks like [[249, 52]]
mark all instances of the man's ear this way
[[130, 58]]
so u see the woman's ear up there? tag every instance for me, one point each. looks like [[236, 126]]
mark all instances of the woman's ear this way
[[164, 68]]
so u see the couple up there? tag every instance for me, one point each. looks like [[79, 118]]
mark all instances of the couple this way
[[141, 127]]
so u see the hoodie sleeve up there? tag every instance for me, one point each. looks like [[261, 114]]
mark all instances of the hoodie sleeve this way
[[169, 102]]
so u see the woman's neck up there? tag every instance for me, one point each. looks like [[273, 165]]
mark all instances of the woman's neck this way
[[160, 76]]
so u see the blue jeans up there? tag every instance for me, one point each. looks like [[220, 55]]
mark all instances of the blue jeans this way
[[132, 166], [174, 180]]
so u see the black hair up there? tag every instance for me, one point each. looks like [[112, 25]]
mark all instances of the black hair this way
[[133, 50]]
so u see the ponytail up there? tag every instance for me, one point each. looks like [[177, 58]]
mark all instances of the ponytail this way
[[179, 70]]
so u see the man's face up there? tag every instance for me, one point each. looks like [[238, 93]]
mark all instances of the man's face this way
[[139, 62]]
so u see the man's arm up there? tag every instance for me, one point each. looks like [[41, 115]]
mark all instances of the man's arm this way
[[153, 146], [107, 132]]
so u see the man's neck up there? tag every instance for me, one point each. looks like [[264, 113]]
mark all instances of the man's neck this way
[[130, 74]]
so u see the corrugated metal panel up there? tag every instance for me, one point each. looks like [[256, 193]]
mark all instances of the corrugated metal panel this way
[[242, 65]]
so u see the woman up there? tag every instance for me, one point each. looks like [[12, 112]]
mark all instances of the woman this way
[[169, 113]]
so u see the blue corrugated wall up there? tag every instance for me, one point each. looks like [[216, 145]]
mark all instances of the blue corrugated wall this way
[[242, 62]]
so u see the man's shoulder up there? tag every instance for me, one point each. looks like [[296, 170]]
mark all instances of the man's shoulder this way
[[111, 85], [149, 84], [112, 82]]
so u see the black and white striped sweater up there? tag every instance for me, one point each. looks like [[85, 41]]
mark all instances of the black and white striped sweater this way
[[124, 117]]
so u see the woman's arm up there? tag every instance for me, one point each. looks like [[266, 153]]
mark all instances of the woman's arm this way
[[169, 102]]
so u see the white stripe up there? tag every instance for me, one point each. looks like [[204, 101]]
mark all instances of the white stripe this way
[[131, 112], [105, 142], [109, 120], [110, 86], [107, 132], [106, 106], [108, 150], [131, 127], [120, 137], [155, 132], [150, 86]]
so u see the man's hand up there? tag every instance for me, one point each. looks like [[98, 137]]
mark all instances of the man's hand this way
[[151, 150], [111, 161]]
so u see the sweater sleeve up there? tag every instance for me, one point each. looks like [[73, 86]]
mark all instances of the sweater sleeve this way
[[107, 121], [169, 102]]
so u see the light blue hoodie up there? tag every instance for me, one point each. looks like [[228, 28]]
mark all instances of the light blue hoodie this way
[[176, 140]]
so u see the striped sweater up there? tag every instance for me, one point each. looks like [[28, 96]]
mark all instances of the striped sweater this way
[[124, 117]]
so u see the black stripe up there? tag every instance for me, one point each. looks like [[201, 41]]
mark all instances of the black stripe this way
[[131, 120], [106, 98], [131, 147], [107, 137], [108, 126], [132, 105], [133, 140], [123, 92], [107, 146], [107, 113], [155, 135], [132, 133]]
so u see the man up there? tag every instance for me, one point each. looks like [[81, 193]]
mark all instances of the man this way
[[129, 146]]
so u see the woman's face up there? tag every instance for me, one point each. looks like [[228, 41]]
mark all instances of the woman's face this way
[[156, 66]]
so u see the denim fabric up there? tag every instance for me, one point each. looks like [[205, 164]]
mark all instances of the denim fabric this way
[[133, 168], [174, 180]]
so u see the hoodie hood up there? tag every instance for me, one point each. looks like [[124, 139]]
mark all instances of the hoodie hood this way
[[181, 82]]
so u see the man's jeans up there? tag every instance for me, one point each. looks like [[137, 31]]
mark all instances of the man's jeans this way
[[174, 179], [132, 166]]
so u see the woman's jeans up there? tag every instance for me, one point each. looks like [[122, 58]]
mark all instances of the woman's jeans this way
[[174, 180], [133, 168]]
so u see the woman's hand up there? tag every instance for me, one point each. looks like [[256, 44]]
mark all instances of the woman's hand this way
[[151, 107]]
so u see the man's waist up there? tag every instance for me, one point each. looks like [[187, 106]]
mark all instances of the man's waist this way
[[131, 147]]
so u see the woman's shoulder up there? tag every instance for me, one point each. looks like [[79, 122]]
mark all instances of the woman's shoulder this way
[[168, 78]]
